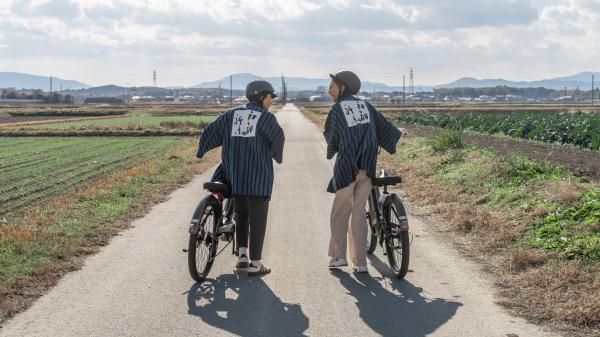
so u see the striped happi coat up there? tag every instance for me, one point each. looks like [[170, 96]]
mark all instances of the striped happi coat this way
[[354, 129], [251, 139]]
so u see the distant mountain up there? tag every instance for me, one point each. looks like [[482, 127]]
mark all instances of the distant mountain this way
[[239, 82], [27, 81], [582, 80]]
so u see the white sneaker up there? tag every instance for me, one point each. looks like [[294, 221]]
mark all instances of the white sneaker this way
[[361, 269], [336, 263]]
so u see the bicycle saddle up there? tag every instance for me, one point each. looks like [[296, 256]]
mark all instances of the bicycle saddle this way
[[218, 188], [391, 180]]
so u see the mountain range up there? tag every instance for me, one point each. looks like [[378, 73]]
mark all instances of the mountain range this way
[[239, 82], [26, 81], [582, 80]]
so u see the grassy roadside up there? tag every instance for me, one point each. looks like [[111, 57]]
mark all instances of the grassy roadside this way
[[534, 225], [41, 244]]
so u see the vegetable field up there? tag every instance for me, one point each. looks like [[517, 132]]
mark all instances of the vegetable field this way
[[579, 128], [34, 169]]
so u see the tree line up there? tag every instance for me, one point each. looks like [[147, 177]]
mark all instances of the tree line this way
[[54, 97]]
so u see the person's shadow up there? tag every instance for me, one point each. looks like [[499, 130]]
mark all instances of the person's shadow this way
[[389, 314], [245, 306]]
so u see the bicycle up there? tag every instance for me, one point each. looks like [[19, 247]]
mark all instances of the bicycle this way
[[388, 224], [212, 222]]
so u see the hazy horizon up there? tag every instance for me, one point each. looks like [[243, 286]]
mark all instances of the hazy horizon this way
[[101, 42]]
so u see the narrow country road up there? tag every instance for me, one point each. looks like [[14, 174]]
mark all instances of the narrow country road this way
[[139, 284]]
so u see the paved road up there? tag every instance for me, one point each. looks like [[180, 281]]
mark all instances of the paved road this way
[[139, 284]]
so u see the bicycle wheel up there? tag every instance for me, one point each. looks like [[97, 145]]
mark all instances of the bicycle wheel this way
[[397, 243], [202, 247], [371, 225]]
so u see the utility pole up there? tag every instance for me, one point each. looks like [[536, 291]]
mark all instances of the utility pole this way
[[220, 93], [50, 85], [403, 89], [592, 89], [154, 78], [411, 85], [231, 90]]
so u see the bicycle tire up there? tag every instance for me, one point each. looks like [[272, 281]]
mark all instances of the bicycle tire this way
[[397, 246], [202, 247], [371, 226]]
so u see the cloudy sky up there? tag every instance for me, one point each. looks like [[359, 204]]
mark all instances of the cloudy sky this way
[[192, 41]]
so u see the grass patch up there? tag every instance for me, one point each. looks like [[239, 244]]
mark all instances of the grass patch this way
[[141, 121], [535, 224], [449, 139], [39, 244], [573, 232]]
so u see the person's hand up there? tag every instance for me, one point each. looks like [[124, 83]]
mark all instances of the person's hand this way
[[402, 131]]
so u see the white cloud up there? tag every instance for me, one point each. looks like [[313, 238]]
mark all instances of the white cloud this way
[[120, 39]]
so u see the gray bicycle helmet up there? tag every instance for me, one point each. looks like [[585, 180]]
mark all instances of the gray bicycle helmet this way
[[259, 87], [349, 79]]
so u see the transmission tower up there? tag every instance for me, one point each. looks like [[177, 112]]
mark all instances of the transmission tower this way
[[411, 83], [154, 78]]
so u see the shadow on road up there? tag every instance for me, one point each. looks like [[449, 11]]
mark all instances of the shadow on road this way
[[404, 312], [246, 307]]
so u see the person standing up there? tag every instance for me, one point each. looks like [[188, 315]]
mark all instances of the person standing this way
[[251, 139], [354, 130]]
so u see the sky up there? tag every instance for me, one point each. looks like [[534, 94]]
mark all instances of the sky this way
[[192, 41]]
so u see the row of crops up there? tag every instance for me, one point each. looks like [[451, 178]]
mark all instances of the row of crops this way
[[578, 128], [34, 169], [140, 122]]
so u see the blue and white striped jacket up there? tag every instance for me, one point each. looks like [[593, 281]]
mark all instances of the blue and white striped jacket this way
[[251, 139], [354, 129]]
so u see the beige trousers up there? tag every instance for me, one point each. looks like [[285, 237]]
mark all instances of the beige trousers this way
[[348, 221]]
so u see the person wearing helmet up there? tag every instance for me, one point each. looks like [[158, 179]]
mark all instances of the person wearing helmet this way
[[251, 139], [354, 130]]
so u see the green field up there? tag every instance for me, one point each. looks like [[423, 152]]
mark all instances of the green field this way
[[129, 122], [34, 169], [578, 128]]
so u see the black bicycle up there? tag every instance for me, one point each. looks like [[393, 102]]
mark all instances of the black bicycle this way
[[388, 224], [212, 222]]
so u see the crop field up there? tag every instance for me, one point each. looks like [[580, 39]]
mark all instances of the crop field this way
[[34, 169], [33, 113], [129, 122], [578, 128]]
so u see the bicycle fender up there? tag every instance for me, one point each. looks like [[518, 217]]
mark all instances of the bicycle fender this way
[[208, 200], [394, 199]]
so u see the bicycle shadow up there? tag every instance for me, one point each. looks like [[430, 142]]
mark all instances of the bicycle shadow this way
[[245, 306], [404, 313]]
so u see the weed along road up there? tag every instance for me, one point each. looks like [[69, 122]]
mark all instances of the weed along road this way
[[139, 284]]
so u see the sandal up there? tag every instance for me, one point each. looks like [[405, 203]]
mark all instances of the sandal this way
[[258, 269]]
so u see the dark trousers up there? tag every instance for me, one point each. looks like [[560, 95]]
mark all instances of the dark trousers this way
[[251, 216]]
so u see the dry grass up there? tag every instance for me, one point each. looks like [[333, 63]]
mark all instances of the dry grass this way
[[565, 192], [560, 294]]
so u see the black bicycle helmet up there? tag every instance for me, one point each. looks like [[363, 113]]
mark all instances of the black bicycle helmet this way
[[348, 79], [259, 87]]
